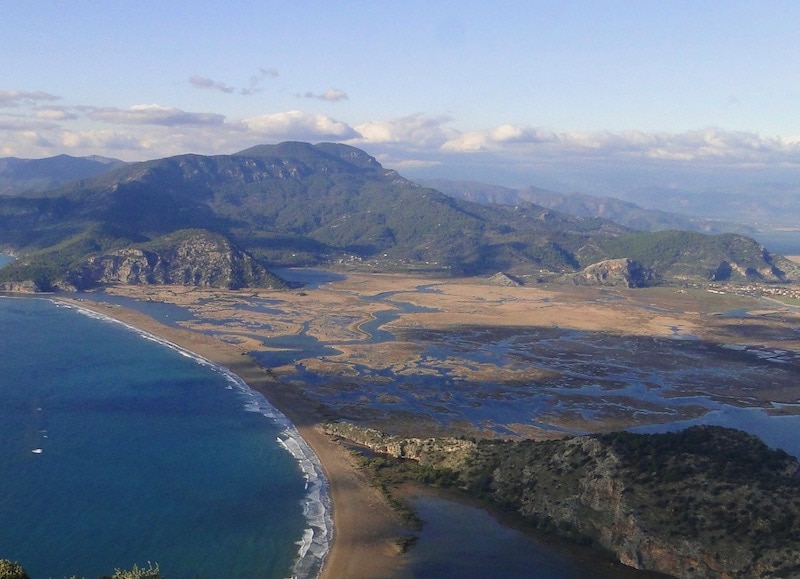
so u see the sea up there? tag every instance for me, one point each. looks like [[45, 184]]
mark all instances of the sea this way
[[117, 449]]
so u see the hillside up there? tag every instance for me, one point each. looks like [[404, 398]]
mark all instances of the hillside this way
[[704, 502], [185, 257], [297, 204], [582, 205]]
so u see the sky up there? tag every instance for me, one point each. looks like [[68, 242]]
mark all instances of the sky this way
[[589, 95]]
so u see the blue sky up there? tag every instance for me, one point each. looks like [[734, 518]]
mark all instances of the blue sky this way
[[576, 94]]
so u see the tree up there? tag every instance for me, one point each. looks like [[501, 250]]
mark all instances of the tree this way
[[12, 570]]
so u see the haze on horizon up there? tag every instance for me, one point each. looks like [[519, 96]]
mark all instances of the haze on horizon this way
[[603, 97]]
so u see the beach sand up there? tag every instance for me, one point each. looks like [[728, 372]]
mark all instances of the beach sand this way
[[366, 532], [365, 528]]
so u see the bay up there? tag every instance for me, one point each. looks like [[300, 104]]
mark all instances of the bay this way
[[116, 450]]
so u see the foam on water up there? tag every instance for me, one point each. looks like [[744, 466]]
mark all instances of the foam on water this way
[[315, 543]]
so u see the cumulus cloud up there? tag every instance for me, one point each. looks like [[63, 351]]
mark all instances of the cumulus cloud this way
[[55, 114], [414, 131], [706, 145], [100, 140], [330, 95], [154, 115], [299, 125], [15, 98], [12, 124], [498, 137]]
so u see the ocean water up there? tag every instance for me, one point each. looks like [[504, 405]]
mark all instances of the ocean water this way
[[116, 450]]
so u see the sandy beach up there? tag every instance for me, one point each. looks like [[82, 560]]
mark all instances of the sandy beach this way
[[628, 329], [365, 530]]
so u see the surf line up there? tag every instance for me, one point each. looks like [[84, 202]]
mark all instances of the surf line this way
[[315, 543]]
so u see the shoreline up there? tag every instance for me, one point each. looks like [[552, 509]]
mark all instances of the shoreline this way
[[364, 529]]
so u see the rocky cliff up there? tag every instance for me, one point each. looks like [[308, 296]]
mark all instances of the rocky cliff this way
[[705, 502], [622, 272], [187, 257]]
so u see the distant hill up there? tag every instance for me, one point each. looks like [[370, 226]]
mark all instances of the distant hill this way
[[765, 205], [583, 205], [24, 175], [297, 204]]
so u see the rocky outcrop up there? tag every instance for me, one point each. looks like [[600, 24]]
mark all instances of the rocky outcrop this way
[[506, 279], [705, 502], [20, 287], [440, 452], [731, 270], [622, 272], [195, 258]]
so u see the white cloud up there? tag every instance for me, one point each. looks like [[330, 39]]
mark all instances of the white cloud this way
[[413, 131], [55, 114], [15, 98], [102, 140], [298, 125], [504, 135], [330, 95], [154, 115], [521, 134], [707, 145], [35, 127]]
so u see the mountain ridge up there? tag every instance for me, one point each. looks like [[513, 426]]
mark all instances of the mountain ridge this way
[[620, 211], [298, 204], [25, 175]]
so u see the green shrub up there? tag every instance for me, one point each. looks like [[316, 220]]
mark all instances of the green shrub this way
[[12, 570], [150, 572]]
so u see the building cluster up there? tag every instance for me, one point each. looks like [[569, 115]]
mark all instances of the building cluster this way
[[758, 290]]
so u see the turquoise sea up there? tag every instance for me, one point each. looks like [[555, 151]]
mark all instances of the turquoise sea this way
[[116, 450]]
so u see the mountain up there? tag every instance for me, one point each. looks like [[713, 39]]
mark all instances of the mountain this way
[[583, 205], [704, 502], [296, 204], [22, 175], [764, 205]]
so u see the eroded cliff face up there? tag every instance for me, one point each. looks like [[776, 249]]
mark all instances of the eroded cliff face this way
[[441, 452], [198, 259], [126, 266], [615, 272], [709, 502], [193, 257]]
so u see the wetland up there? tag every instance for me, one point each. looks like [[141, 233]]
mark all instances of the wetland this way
[[425, 357]]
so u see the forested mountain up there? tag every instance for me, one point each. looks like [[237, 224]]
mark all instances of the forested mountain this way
[[21, 175], [330, 204]]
